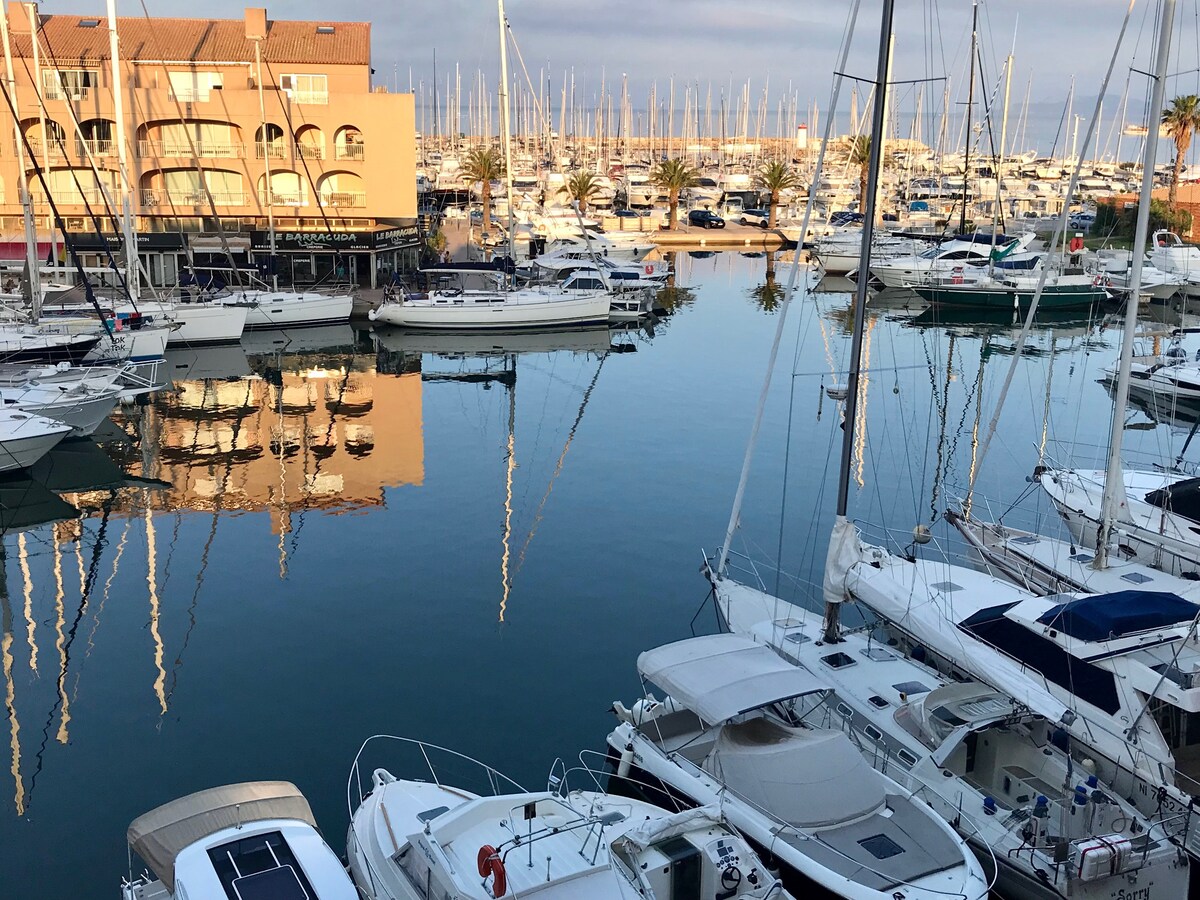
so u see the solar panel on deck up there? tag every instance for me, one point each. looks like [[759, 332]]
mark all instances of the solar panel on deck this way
[[273, 884]]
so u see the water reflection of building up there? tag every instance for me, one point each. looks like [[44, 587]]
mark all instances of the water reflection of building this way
[[305, 431]]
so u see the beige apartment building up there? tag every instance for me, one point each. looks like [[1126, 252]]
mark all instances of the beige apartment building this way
[[240, 135]]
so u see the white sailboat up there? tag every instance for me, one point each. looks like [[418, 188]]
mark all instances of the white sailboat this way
[[79, 406], [25, 438]]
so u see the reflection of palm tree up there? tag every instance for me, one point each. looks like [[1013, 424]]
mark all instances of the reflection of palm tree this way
[[581, 187], [1182, 119], [485, 165], [671, 297], [674, 176], [766, 296], [775, 177]]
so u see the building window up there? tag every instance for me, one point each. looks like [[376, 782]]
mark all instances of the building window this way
[[194, 87], [305, 88], [69, 84]]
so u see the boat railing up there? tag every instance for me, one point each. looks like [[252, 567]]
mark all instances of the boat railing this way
[[596, 771], [444, 767], [960, 822]]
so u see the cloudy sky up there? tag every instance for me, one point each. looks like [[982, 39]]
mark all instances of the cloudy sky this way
[[784, 43]]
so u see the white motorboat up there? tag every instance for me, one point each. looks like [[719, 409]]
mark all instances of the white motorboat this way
[[499, 308], [1169, 253], [412, 839], [901, 271], [253, 840], [290, 309], [840, 253], [25, 438], [622, 245], [79, 406], [732, 731], [993, 768]]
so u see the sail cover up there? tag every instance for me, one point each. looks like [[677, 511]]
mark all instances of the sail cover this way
[[720, 676], [1102, 617], [844, 552]]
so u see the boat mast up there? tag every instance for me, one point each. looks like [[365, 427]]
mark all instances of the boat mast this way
[[266, 152], [31, 254], [505, 126], [962, 219], [860, 295], [1114, 500], [118, 92]]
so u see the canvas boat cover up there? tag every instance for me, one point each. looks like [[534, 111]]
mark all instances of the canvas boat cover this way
[[720, 676], [1182, 498], [1102, 617], [160, 835], [659, 829], [805, 777]]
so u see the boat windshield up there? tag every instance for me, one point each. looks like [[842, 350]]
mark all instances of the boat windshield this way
[[931, 253]]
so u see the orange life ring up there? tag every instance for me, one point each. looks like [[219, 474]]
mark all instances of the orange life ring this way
[[649, 270], [489, 863]]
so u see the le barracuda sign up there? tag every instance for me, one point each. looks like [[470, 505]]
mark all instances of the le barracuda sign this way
[[337, 241]]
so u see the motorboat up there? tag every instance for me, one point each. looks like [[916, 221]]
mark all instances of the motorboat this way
[[1000, 773], [736, 728], [241, 841], [428, 836], [25, 438], [1013, 292], [622, 245], [961, 250], [840, 253], [1169, 253]]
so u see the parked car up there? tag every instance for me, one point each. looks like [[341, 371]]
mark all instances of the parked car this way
[[705, 218], [1082, 220], [631, 213], [757, 217], [846, 217]]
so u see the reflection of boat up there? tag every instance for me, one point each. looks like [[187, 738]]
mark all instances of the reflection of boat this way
[[1065, 292], [200, 363], [595, 339], [1178, 412], [998, 319], [241, 840], [76, 466], [26, 503], [328, 338]]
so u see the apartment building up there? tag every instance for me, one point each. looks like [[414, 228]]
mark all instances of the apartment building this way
[[241, 137]]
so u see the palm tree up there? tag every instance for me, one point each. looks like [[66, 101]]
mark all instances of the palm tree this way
[[581, 187], [1181, 119], [674, 176], [485, 165], [774, 178], [860, 155]]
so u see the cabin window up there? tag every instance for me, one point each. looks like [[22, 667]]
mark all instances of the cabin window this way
[[844, 711], [905, 757], [838, 660], [877, 701], [69, 84], [911, 687], [306, 88], [873, 733], [881, 846]]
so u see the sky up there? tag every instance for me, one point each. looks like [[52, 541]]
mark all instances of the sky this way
[[789, 45]]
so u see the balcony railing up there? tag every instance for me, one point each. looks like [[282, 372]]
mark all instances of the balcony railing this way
[[284, 198], [274, 150], [36, 147], [98, 147], [309, 151], [344, 199], [349, 151], [207, 149], [167, 199], [315, 98], [72, 198]]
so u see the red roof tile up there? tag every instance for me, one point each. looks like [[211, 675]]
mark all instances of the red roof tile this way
[[200, 40]]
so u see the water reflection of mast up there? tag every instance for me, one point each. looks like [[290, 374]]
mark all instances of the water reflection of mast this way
[[156, 635], [27, 584], [983, 352], [10, 693], [510, 465]]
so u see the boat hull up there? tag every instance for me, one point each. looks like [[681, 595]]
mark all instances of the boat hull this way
[[204, 323], [975, 297], [22, 451], [283, 310], [500, 315]]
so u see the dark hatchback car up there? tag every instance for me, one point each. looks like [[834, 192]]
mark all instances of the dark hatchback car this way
[[705, 218]]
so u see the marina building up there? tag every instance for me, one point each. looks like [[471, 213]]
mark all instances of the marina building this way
[[227, 138]]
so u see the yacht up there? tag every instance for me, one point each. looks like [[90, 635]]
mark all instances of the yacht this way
[[962, 250], [25, 438], [1169, 253], [1036, 816], [80, 406], [253, 840], [416, 838], [735, 728], [34, 343], [290, 309]]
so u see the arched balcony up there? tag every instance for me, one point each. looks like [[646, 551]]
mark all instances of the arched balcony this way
[[275, 146], [287, 189], [165, 191], [209, 139], [310, 142], [98, 138], [342, 190], [50, 142], [75, 186], [348, 143]]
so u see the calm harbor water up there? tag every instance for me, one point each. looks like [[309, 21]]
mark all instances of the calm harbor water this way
[[323, 535]]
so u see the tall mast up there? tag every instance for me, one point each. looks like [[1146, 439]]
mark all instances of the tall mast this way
[[504, 123], [962, 220], [1114, 499], [118, 92], [266, 152], [842, 528], [31, 254]]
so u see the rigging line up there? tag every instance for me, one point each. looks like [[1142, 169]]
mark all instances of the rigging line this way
[[1059, 231], [587, 395], [91, 644], [793, 274]]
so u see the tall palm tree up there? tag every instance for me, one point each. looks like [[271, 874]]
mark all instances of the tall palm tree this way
[[581, 187], [485, 165], [1181, 119], [860, 155], [674, 176], [775, 177]]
